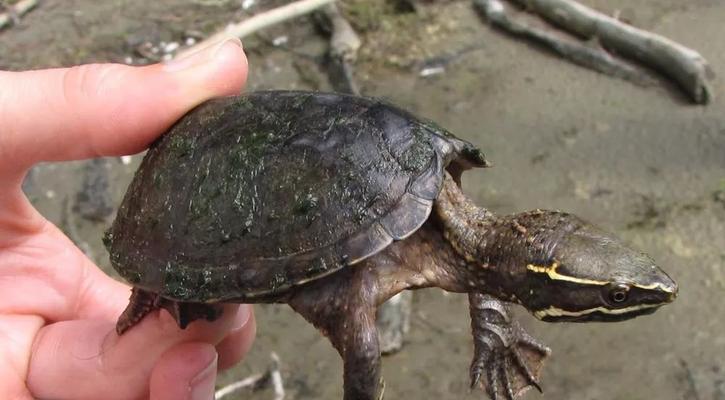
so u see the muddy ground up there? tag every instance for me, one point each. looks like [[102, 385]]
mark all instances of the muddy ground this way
[[641, 162]]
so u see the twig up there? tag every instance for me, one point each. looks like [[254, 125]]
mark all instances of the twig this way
[[18, 10], [344, 46], [276, 378], [259, 21], [344, 42], [249, 381], [593, 57], [684, 65], [257, 380]]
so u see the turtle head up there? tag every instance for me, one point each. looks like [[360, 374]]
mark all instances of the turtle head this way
[[576, 272]]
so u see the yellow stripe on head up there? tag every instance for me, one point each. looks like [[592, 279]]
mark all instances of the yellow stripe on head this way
[[554, 275], [558, 312]]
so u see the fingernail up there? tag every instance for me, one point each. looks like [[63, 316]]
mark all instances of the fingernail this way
[[203, 384], [202, 56], [242, 317]]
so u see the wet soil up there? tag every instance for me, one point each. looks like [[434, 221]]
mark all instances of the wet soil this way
[[641, 162]]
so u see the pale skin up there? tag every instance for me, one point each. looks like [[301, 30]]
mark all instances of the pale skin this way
[[57, 309]]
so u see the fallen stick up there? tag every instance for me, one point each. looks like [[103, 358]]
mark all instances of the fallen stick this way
[[344, 46], [681, 64], [272, 375], [586, 55], [344, 41], [258, 22], [16, 11], [276, 378], [249, 381]]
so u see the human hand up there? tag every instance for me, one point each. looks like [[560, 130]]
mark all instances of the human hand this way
[[57, 309]]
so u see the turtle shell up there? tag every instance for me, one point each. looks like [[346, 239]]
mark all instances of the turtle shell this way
[[247, 196]]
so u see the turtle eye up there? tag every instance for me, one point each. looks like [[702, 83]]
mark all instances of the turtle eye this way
[[618, 293]]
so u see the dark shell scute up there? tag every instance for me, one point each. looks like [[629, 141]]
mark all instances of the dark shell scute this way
[[428, 184], [407, 217], [250, 195], [366, 242]]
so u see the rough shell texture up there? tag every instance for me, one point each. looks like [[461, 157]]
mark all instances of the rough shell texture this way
[[247, 196]]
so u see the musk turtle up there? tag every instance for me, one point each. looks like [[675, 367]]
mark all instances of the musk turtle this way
[[334, 203]]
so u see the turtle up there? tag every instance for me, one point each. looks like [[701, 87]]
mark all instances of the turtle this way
[[333, 203]]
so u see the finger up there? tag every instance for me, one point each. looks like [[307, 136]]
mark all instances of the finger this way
[[187, 371], [85, 359], [16, 341], [238, 342], [107, 109]]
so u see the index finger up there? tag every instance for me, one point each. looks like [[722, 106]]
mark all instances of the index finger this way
[[107, 109]]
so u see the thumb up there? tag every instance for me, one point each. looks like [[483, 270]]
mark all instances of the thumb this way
[[107, 109], [85, 359], [186, 371]]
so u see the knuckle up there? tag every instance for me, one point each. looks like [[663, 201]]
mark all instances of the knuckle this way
[[88, 82]]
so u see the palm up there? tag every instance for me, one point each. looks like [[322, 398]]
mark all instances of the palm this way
[[44, 279]]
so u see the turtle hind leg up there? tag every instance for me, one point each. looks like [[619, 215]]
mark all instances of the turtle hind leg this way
[[506, 360], [143, 302], [342, 306]]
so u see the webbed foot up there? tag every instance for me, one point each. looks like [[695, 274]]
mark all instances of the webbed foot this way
[[507, 358]]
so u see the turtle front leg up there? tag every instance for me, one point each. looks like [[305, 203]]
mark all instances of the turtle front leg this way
[[139, 305], [505, 355], [344, 311], [143, 302]]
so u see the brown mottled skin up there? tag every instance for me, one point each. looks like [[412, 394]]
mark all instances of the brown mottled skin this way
[[376, 209]]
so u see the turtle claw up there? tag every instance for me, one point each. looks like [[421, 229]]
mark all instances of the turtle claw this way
[[531, 378], [507, 360], [509, 368], [475, 376]]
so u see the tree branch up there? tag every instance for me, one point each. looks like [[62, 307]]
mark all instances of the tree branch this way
[[675, 61], [683, 65], [16, 11], [586, 55], [258, 22], [344, 46]]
